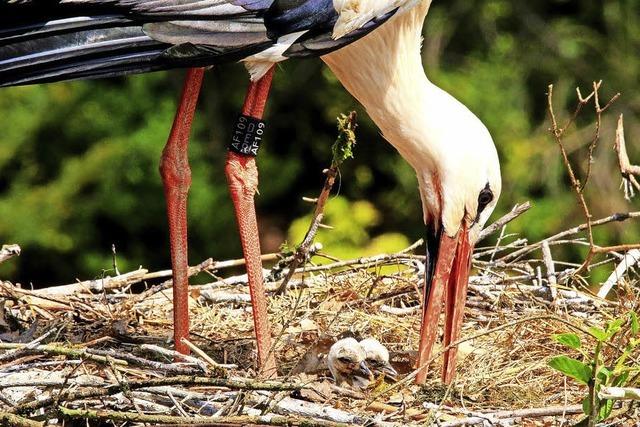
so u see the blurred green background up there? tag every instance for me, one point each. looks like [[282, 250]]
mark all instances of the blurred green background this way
[[79, 160]]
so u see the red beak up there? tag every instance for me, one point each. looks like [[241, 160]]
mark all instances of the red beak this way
[[446, 282]]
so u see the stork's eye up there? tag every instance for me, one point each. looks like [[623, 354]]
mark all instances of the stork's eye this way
[[485, 197], [344, 360]]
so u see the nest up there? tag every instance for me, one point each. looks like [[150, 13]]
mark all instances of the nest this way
[[101, 350]]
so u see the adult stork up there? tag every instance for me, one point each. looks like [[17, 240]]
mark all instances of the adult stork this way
[[373, 47]]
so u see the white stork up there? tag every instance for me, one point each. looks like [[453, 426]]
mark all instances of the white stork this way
[[347, 362], [373, 47]]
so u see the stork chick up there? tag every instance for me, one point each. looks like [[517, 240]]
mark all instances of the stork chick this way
[[377, 358], [347, 364]]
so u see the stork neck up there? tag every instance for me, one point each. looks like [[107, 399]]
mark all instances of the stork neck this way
[[384, 72]]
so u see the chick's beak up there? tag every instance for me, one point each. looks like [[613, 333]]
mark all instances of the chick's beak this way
[[364, 370], [388, 370], [447, 277]]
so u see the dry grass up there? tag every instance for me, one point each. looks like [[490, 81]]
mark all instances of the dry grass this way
[[506, 335]]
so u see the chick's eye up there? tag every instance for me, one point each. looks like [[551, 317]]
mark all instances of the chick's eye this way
[[485, 197], [344, 360], [374, 362]]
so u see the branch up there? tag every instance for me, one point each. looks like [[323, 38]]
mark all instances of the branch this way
[[7, 419], [9, 251], [507, 417], [619, 393], [62, 351], [342, 149], [269, 419], [515, 212], [630, 259], [616, 217], [579, 188], [237, 384], [627, 170]]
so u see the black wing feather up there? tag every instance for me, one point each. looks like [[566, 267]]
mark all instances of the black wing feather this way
[[53, 40]]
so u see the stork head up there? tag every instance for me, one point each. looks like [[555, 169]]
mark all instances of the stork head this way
[[377, 358], [458, 172], [347, 363], [459, 177]]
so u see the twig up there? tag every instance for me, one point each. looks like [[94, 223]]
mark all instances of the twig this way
[[9, 251], [61, 351], [19, 352], [269, 419], [342, 149], [177, 405], [579, 188], [616, 217], [7, 419], [630, 259], [97, 285], [627, 170], [175, 355], [168, 368], [215, 365], [107, 390], [551, 270], [619, 393], [515, 212], [507, 417]]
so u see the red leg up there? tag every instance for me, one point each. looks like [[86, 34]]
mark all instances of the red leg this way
[[242, 176], [176, 178]]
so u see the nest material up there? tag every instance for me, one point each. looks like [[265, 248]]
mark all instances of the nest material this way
[[109, 335]]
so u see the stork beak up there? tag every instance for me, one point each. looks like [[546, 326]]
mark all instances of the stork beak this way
[[447, 277]]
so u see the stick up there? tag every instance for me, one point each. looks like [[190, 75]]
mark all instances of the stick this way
[[616, 217], [518, 413], [342, 149], [627, 170], [269, 419], [7, 419], [8, 252], [215, 365], [19, 352], [630, 259], [551, 270], [97, 285], [169, 368], [239, 384], [175, 355], [62, 351], [288, 405], [619, 393], [516, 211]]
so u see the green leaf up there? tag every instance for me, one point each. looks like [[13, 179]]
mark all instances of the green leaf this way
[[606, 407], [571, 367], [614, 327], [603, 375], [620, 380], [568, 339], [598, 333], [635, 325]]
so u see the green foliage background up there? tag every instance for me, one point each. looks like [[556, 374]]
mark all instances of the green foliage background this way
[[78, 160]]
